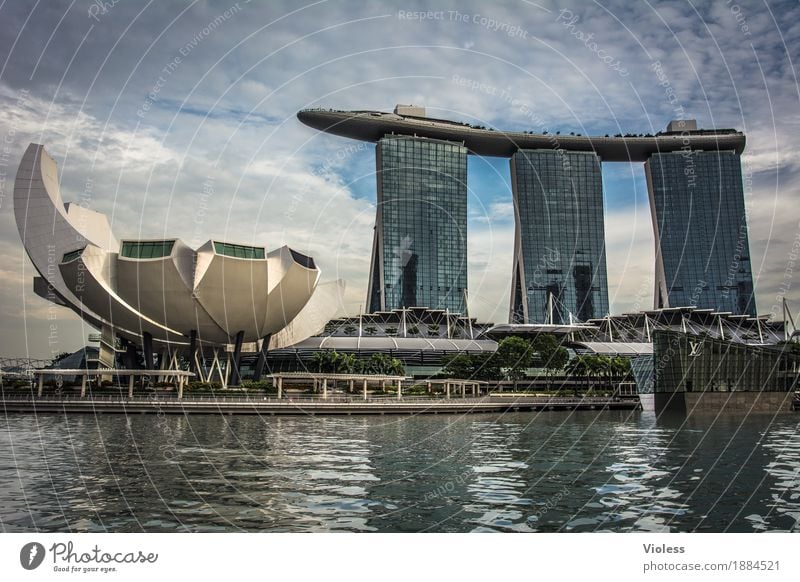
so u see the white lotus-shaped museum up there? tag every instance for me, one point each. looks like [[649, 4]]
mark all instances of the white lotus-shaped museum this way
[[163, 291]]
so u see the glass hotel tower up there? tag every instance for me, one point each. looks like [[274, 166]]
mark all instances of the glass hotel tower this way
[[419, 251], [559, 245], [702, 248], [419, 257]]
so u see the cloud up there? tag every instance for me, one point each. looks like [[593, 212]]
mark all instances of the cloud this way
[[223, 118]]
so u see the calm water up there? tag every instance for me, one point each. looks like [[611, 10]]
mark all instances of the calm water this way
[[551, 471]]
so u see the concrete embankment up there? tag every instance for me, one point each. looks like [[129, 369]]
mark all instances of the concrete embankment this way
[[317, 406]]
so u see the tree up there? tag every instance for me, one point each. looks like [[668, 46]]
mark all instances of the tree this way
[[515, 355], [460, 365], [381, 363], [346, 363], [622, 367], [552, 355], [397, 367], [370, 330], [578, 367], [487, 366], [412, 330], [325, 361], [480, 366], [349, 329]]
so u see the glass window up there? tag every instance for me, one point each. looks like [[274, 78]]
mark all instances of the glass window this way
[[239, 251], [72, 255], [146, 249]]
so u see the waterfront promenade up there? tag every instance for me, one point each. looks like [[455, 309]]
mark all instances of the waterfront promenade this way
[[159, 403]]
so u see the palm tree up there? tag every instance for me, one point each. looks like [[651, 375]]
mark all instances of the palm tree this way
[[346, 363]]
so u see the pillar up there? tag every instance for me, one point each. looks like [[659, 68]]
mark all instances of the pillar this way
[[130, 355], [180, 386], [325, 388], [280, 386], [130, 385], [350, 382], [107, 354], [447, 386], [261, 362], [236, 376], [365, 388], [193, 351], [41, 384], [463, 390], [147, 348], [399, 389], [83, 385]]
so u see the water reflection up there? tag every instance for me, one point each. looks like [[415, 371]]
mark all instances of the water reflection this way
[[581, 471]]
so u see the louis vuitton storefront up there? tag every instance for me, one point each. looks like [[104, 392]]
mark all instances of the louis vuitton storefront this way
[[694, 373]]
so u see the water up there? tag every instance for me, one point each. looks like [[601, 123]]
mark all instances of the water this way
[[551, 471]]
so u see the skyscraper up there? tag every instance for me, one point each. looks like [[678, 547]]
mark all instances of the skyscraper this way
[[419, 256], [695, 185], [702, 248], [559, 245]]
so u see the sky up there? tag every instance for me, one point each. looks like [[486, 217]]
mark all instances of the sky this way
[[177, 119]]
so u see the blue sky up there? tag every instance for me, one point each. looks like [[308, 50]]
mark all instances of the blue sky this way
[[147, 105]]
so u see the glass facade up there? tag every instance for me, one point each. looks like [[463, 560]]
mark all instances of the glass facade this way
[[146, 249], [702, 248], [689, 363], [420, 248], [643, 373], [72, 255], [559, 255], [239, 251]]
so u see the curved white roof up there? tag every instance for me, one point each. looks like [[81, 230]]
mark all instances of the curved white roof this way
[[169, 293]]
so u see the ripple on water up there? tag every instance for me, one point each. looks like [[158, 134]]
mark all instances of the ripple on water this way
[[512, 472]]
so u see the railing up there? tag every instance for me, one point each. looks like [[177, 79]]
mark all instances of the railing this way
[[155, 398]]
